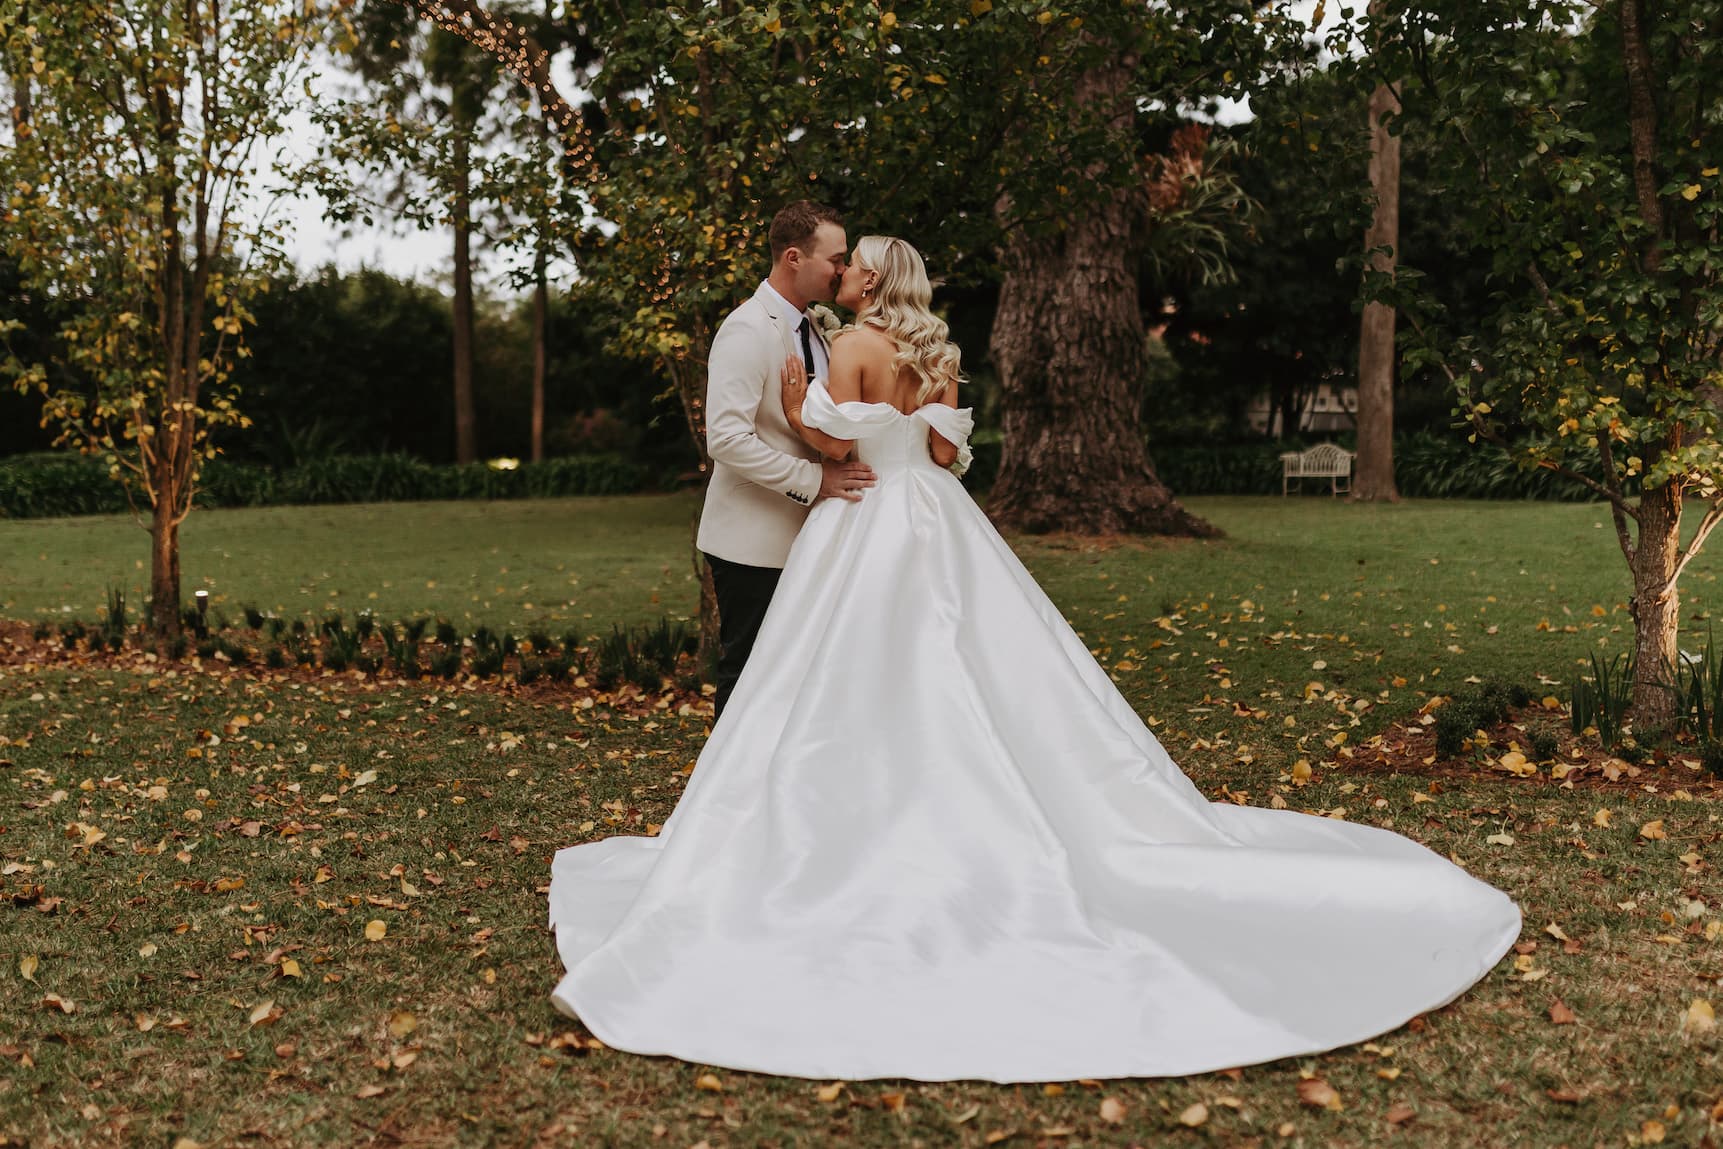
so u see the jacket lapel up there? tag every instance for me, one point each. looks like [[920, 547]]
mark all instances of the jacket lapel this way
[[782, 315]]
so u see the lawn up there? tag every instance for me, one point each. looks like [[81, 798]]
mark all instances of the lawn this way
[[189, 894]]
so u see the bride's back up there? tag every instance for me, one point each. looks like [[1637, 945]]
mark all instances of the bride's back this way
[[882, 380]]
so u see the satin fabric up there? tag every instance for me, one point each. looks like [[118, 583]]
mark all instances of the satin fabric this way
[[929, 839]]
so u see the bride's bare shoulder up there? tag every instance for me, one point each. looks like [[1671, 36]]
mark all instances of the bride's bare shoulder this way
[[864, 343]]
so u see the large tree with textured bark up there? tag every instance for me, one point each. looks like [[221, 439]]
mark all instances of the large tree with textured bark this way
[[131, 180], [1082, 196], [1582, 155]]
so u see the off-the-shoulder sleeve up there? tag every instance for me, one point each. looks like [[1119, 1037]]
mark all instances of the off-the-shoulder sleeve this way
[[954, 424], [845, 420]]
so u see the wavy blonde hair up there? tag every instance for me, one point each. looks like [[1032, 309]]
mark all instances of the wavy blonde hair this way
[[898, 307]]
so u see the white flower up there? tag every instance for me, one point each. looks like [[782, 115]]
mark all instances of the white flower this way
[[826, 320], [964, 457]]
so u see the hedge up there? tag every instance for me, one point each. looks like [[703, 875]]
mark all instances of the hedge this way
[[1425, 467], [54, 484]]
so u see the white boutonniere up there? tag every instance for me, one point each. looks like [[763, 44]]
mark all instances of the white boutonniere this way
[[826, 320]]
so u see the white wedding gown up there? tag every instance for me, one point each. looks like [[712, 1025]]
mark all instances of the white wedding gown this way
[[930, 839]]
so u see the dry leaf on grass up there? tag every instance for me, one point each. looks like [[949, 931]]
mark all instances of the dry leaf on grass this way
[[1318, 1094], [1194, 1115], [1112, 1110], [1562, 1014]]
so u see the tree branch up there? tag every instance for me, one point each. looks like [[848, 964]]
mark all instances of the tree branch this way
[[516, 49], [1619, 505], [1642, 124], [1713, 516], [1616, 502]]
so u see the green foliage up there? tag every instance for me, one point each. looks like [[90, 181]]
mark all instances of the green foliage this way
[[341, 644], [643, 655], [402, 644], [1697, 681], [1601, 700], [1476, 709]]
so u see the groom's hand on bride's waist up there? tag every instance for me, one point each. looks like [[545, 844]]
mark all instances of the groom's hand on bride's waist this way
[[845, 480]]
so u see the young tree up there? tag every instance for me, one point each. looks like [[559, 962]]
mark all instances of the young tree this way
[[131, 183], [1579, 151]]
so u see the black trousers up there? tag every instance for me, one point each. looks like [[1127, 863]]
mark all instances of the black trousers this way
[[744, 593]]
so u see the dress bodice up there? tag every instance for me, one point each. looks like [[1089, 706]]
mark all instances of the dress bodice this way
[[886, 439]]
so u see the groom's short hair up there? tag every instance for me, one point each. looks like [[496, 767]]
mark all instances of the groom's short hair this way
[[796, 224]]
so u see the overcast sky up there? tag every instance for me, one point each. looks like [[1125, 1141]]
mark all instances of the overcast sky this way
[[426, 255]]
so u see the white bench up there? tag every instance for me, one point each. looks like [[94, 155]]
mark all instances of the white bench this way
[[1323, 461]]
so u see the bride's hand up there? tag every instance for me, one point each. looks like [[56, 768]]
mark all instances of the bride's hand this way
[[795, 382]]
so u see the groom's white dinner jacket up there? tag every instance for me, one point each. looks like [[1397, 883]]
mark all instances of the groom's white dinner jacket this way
[[764, 477]]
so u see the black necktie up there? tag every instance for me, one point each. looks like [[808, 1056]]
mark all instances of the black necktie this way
[[807, 347]]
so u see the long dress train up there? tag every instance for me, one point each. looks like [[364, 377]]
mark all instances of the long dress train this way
[[930, 839]]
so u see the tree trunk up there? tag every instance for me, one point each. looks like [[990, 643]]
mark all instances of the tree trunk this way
[[1068, 343], [164, 562], [1374, 477], [1656, 609], [688, 376], [466, 419], [540, 355]]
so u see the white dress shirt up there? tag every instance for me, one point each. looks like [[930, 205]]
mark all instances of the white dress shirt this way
[[822, 362]]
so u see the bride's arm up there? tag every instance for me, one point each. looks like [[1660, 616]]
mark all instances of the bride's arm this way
[[844, 387], [943, 450]]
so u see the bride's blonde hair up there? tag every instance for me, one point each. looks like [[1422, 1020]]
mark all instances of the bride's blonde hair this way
[[898, 307]]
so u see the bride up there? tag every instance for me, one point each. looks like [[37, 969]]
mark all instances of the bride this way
[[929, 839]]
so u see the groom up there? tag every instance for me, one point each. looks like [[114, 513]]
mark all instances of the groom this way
[[764, 477]]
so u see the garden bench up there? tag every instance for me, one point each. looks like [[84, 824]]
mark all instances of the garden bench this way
[[1323, 461]]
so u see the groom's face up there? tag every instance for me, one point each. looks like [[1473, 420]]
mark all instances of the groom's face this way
[[822, 263]]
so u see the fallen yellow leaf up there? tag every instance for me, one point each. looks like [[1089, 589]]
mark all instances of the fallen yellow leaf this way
[[1112, 1110], [1700, 1017], [1601, 818], [27, 966], [401, 1023], [376, 930], [829, 1093], [710, 1083], [1653, 830], [1194, 1115]]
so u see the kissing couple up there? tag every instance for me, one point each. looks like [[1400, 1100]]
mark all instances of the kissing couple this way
[[927, 837]]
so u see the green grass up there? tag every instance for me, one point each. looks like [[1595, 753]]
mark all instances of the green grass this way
[[544, 562], [471, 818]]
